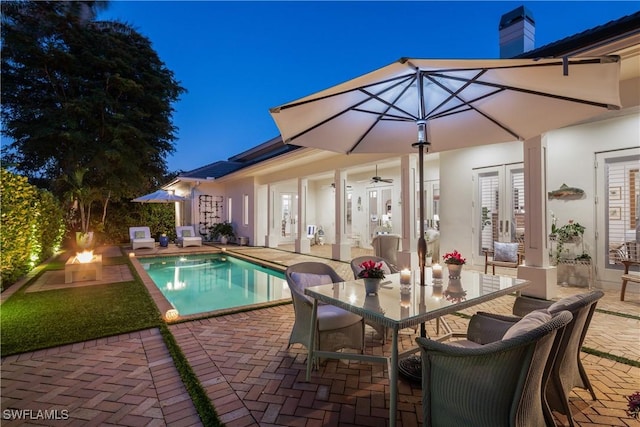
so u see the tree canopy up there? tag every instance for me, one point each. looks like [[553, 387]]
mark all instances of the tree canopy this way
[[84, 95]]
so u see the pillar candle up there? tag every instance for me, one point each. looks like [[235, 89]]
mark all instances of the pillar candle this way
[[405, 277], [437, 271]]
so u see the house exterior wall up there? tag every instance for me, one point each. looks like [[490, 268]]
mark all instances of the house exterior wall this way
[[570, 160], [457, 191], [572, 155]]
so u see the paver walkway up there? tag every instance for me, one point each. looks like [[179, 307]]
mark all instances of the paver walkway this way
[[253, 379]]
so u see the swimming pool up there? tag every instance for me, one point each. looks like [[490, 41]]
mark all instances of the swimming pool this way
[[208, 282]]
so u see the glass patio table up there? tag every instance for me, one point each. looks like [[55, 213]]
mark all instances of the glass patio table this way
[[398, 306]]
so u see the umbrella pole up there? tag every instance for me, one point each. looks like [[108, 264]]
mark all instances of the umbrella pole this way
[[422, 243]]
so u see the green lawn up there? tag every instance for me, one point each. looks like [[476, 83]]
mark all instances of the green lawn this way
[[36, 320]]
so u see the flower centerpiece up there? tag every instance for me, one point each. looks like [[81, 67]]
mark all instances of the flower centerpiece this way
[[372, 273], [454, 257], [454, 261], [371, 270]]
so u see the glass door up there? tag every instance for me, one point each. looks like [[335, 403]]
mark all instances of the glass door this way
[[288, 217], [380, 210], [498, 207], [617, 222]]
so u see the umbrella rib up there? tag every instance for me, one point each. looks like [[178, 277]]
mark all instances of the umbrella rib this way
[[573, 61], [523, 90], [468, 103], [453, 94], [386, 116], [351, 108], [401, 79], [381, 115]]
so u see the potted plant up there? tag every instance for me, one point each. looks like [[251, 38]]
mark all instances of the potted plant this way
[[223, 231], [454, 261], [570, 232], [372, 273]]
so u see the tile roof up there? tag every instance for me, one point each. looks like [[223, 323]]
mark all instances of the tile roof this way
[[611, 30], [218, 169]]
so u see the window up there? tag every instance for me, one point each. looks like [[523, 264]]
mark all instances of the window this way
[[245, 209]]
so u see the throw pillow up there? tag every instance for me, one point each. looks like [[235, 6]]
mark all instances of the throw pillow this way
[[505, 252], [528, 323], [139, 235], [186, 233]]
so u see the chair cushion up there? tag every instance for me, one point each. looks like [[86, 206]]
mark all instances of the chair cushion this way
[[331, 317], [139, 235], [564, 303], [507, 252], [186, 233], [527, 323]]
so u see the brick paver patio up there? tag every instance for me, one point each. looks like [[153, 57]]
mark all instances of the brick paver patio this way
[[253, 379]]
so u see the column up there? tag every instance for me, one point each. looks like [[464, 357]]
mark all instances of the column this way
[[272, 239], [303, 244], [408, 256], [536, 242], [341, 249]]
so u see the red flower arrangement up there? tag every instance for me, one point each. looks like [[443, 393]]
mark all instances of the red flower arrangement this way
[[454, 257], [371, 270]]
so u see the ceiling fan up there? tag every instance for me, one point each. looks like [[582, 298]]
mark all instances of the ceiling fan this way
[[376, 179]]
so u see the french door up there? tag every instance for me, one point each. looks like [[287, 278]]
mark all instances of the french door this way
[[288, 217], [617, 210], [380, 210], [498, 207]]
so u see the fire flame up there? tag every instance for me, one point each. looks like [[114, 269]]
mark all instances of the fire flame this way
[[84, 257]]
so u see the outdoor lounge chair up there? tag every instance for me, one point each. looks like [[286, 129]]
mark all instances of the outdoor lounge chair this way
[[503, 254], [628, 255], [567, 371], [355, 267], [387, 246], [335, 328], [187, 236], [492, 379], [141, 238]]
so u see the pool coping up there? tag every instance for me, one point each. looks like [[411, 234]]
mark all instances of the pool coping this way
[[166, 308]]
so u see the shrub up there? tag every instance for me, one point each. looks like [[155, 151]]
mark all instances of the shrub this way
[[31, 227]]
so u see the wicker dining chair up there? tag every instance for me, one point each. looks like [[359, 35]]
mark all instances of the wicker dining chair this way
[[335, 328], [566, 370], [388, 269], [494, 378]]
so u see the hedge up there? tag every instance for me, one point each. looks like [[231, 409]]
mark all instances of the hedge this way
[[31, 227]]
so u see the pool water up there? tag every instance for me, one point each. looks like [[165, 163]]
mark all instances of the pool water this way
[[202, 283]]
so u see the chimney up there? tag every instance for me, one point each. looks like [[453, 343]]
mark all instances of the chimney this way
[[517, 32]]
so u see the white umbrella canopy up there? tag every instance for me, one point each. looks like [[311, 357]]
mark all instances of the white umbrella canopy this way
[[464, 103], [160, 196], [448, 104]]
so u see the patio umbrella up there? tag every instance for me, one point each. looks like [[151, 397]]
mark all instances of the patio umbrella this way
[[448, 104], [160, 196]]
